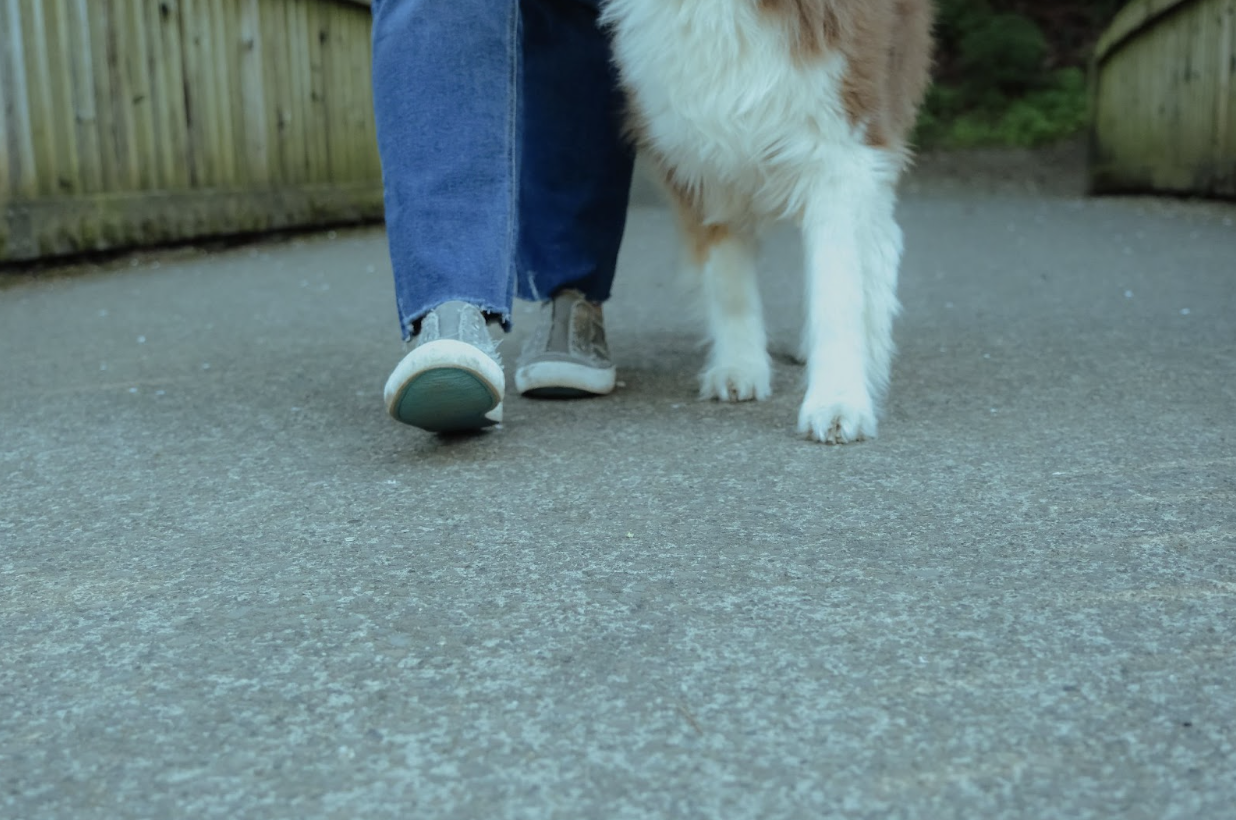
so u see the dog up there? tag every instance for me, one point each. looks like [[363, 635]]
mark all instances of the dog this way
[[754, 111]]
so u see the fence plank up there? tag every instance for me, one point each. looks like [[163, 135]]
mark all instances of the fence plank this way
[[156, 77], [316, 125], [253, 91], [173, 113], [330, 89], [97, 22], [197, 95], [362, 105], [233, 55], [42, 109], [63, 117], [24, 164], [86, 96], [343, 102], [222, 82], [311, 124], [148, 158], [6, 102], [275, 65], [297, 57], [124, 120]]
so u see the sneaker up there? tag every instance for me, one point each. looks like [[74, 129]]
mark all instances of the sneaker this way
[[452, 379], [566, 357]]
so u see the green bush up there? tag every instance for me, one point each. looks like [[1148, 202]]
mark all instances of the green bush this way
[[1003, 80], [954, 118], [1002, 51]]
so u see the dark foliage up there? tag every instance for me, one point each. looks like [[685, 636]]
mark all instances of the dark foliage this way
[[1011, 72]]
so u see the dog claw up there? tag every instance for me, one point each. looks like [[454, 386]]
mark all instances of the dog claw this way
[[837, 422], [734, 384]]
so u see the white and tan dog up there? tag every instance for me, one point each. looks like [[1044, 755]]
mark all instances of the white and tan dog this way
[[757, 110]]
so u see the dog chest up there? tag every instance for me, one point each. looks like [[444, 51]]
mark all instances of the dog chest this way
[[717, 90]]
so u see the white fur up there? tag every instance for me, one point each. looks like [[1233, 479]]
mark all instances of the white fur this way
[[738, 366], [757, 136]]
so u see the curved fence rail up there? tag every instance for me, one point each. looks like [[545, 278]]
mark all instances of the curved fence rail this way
[[130, 122], [1165, 99]]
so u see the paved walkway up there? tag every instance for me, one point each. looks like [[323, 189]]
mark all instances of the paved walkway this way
[[233, 588]]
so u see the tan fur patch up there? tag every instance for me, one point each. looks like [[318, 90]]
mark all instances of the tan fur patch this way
[[887, 47], [814, 27], [701, 237]]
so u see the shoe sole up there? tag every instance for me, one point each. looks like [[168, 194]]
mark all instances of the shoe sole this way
[[446, 386], [564, 380]]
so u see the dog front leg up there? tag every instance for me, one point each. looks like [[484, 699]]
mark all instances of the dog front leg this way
[[837, 226], [721, 261], [738, 368]]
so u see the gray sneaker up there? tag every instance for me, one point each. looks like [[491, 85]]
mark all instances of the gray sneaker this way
[[566, 357], [452, 379]]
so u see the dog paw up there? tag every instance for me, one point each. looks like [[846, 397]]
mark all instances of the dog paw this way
[[838, 421], [737, 382]]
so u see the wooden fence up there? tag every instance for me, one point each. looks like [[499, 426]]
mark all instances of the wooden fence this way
[[1165, 99], [129, 122]]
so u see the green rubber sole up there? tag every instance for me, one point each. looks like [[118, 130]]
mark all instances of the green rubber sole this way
[[447, 400]]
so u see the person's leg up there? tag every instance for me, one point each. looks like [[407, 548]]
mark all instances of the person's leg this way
[[446, 90], [575, 165], [446, 81], [575, 182]]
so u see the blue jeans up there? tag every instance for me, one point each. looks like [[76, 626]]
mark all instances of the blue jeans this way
[[504, 169]]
